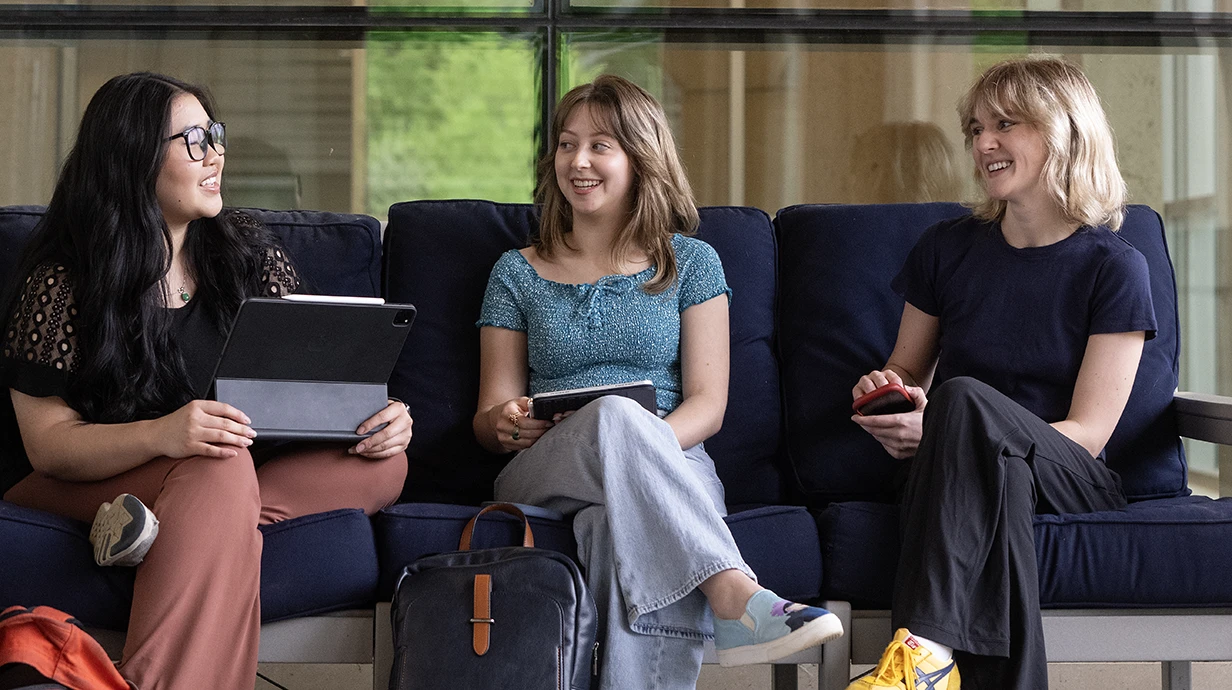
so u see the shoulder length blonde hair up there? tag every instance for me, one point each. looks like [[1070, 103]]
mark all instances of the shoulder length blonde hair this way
[[1054, 96], [662, 198]]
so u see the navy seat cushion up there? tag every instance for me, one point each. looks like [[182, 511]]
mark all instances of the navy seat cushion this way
[[318, 563], [438, 255], [838, 320], [778, 542], [48, 561], [1108, 559], [409, 531], [312, 564]]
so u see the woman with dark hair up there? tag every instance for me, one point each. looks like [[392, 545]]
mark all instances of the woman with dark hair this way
[[613, 266], [126, 291]]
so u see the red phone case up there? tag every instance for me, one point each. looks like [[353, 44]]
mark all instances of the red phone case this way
[[888, 399]]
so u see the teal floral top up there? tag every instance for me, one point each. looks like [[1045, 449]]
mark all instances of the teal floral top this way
[[607, 332]]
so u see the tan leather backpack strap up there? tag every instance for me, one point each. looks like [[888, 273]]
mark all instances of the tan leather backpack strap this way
[[481, 636], [528, 539]]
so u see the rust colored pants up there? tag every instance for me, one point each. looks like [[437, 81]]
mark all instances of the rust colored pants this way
[[196, 615]]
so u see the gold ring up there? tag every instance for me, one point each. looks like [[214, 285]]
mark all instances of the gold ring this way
[[515, 417]]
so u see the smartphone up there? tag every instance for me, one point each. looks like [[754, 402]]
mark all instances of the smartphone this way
[[888, 399]]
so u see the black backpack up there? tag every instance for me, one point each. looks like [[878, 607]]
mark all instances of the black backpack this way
[[511, 617]]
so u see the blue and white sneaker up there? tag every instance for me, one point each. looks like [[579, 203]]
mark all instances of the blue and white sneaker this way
[[772, 628], [123, 531]]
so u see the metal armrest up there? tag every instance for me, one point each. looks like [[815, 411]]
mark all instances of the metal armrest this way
[[1204, 416]]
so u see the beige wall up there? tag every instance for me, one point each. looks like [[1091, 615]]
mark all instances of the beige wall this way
[[29, 112]]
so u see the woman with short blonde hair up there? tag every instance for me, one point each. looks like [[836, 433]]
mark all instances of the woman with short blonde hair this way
[[1054, 97], [1025, 323]]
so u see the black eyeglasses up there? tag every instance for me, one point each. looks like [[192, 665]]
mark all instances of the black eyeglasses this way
[[197, 138]]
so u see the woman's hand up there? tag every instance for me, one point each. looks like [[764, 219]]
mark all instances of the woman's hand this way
[[391, 440], [514, 429], [899, 434], [202, 427]]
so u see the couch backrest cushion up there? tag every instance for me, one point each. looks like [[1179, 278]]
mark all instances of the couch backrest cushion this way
[[839, 319], [746, 449], [337, 253], [1145, 448], [438, 255], [16, 224]]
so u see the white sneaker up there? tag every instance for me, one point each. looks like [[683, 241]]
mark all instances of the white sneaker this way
[[123, 531]]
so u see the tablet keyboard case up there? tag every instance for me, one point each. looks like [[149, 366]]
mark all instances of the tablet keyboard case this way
[[288, 367]]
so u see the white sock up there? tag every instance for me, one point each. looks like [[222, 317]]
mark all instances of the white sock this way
[[942, 652]]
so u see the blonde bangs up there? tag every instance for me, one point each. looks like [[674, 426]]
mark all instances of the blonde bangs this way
[[1055, 98]]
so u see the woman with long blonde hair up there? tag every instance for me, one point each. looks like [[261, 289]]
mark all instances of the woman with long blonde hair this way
[[612, 290]]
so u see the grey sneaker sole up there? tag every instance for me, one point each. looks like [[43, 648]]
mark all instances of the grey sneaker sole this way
[[123, 532]]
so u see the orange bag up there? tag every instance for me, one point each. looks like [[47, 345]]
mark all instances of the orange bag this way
[[54, 644]]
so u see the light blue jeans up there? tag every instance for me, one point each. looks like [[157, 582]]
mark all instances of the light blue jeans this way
[[648, 518]]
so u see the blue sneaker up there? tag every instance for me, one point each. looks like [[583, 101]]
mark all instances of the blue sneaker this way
[[772, 628]]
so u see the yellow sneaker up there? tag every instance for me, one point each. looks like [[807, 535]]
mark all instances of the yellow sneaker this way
[[907, 665]]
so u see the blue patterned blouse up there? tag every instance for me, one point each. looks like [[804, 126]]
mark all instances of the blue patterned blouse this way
[[608, 332]]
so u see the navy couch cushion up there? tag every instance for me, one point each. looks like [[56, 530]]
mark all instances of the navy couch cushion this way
[[336, 253], [1107, 559], [409, 531], [318, 563], [779, 543], [746, 449], [312, 564], [438, 255], [838, 319], [16, 224], [1146, 449], [48, 561]]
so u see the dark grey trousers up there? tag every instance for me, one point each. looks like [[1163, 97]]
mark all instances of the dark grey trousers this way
[[967, 570]]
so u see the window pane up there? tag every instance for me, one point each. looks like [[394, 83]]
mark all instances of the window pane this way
[[450, 117], [783, 124], [774, 125], [321, 125], [454, 7], [988, 5]]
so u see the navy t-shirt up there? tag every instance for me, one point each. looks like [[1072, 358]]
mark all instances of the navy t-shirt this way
[[1019, 319]]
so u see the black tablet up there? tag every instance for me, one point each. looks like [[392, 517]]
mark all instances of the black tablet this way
[[311, 369], [547, 405]]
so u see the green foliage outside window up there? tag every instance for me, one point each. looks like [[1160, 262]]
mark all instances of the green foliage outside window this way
[[450, 116]]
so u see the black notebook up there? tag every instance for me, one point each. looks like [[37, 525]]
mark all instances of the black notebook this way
[[310, 369]]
